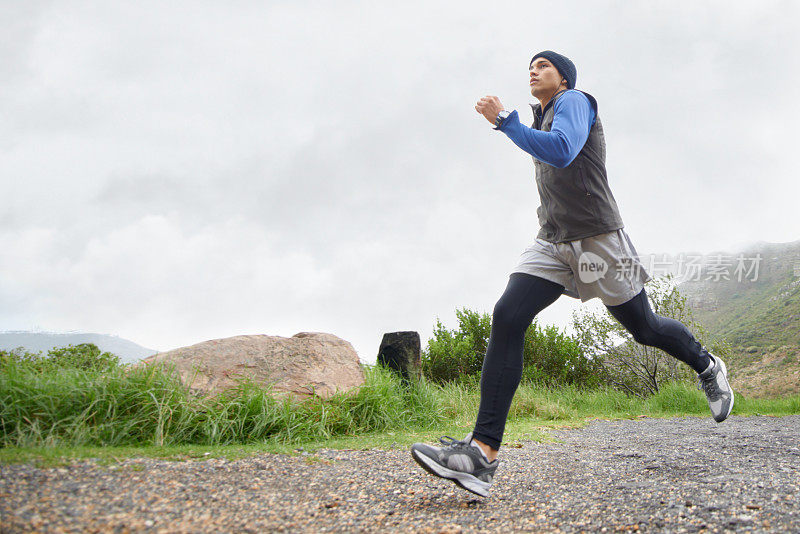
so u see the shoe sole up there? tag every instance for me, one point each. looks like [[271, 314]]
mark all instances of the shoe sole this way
[[730, 408], [463, 480]]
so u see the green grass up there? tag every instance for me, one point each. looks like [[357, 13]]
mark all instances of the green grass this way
[[60, 415], [147, 406]]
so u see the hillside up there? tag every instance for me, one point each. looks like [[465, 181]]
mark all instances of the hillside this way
[[757, 313], [128, 351], [753, 314]]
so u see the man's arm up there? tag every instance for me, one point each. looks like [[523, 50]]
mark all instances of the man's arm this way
[[572, 120]]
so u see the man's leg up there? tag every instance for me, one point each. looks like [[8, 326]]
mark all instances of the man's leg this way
[[675, 339], [525, 296], [666, 333], [471, 463]]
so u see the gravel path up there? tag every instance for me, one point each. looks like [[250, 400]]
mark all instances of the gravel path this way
[[647, 475]]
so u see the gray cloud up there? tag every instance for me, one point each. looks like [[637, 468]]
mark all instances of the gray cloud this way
[[178, 172]]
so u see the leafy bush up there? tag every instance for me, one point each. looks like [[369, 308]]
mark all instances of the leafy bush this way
[[457, 355], [553, 358], [550, 357], [85, 356]]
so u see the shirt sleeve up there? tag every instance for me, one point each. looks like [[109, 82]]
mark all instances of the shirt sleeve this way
[[573, 117]]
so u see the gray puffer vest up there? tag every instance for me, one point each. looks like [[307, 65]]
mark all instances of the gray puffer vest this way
[[576, 200]]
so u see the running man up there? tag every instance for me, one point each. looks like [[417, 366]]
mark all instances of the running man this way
[[581, 251]]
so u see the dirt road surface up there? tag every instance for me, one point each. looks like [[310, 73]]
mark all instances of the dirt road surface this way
[[645, 475]]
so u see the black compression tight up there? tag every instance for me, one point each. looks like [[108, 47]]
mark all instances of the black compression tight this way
[[525, 296], [666, 333]]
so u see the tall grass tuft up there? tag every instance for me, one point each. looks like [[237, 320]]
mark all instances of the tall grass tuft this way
[[55, 405], [71, 406], [678, 398], [147, 405]]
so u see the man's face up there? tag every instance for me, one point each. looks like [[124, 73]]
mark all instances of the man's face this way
[[545, 79]]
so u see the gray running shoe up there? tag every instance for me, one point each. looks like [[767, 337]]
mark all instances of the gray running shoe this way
[[458, 461], [714, 381]]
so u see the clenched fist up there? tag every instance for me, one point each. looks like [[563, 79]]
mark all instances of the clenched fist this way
[[489, 107]]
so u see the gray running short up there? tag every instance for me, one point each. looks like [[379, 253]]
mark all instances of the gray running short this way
[[606, 266]]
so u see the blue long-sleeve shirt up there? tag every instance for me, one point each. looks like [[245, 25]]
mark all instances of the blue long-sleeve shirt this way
[[573, 117]]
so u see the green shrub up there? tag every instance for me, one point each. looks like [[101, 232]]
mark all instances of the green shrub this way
[[553, 358], [84, 356], [457, 355], [550, 357]]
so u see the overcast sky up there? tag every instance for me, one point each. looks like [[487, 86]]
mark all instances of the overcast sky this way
[[183, 171]]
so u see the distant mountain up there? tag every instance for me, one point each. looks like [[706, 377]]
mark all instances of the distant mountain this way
[[756, 311], [128, 351], [751, 299]]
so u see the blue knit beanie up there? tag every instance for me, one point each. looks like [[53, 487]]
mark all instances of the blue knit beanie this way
[[563, 64]]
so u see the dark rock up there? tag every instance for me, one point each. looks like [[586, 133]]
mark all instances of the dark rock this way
[[400, 352]]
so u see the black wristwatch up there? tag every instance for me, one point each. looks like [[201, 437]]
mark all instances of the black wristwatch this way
[[502, 116]]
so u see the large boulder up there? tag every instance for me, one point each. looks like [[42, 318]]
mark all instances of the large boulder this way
[[308, 363]]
